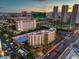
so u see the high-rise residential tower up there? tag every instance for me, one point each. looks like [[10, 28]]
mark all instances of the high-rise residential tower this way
[[75, 13], [64, 13], [55, 13], [24, 24]]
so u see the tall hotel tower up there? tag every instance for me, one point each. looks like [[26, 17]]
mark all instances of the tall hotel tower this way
[[55, 13], [64, 13], [75, 14]]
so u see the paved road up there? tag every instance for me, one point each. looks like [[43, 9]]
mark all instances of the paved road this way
[[7, 45], [11, 48], [55, 53]]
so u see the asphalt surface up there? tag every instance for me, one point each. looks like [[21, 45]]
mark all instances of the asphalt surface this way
[[7, 45], [11, 48], [54, 54]]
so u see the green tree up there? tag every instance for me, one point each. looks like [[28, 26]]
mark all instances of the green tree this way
[[31, 54]]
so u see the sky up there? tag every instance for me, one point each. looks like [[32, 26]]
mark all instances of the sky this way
[[29, 5]]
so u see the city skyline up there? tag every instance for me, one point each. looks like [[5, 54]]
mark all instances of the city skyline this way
[[30, 5]]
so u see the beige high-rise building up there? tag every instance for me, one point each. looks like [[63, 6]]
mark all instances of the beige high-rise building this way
[[42, 37], [25, 24], [36, 39]]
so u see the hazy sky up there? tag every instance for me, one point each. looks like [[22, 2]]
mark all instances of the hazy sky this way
[[18, 5]]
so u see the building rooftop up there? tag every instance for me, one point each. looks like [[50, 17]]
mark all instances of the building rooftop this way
[[71, 52], [42, 31], [5, 57], [22, 39], [74, 54]]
